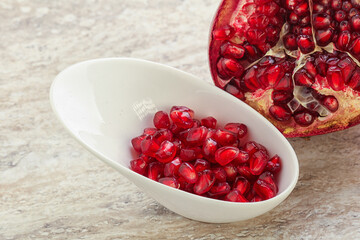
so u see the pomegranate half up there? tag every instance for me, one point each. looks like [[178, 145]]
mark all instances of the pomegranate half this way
[[294, 61]]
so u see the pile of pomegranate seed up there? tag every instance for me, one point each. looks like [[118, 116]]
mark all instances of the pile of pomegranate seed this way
[[198, 157]]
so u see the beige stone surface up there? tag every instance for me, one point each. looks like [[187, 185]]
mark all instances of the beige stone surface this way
[[51, 188]]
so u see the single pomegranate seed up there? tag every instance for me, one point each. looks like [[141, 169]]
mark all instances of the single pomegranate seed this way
[[204, 182], [170, 181], [324, 37], [305, 44], [231, 172], [238, 128], [263, 189], [355, 23], [209, 148], [196, 136], [331, 103], [235, 196], [354, 82], [281, 96], [161, 120], [225, 137], [242, 184], [343, 40], [251, 147], [274, 164], [197, 123], [340, 16], [146, 158], [209, 122], [285, 83], [149, 146], [189, 154], [230, 50], [171, 168], [183, 109], [225, 155], [162, 135], [243, 157], [138, 165], [220, 174], [244, 170], [201, 165], [279, 113], [268, 177], [258, 162], [344, 26], [355, 47], [335, 78], [150, 131], [290, 41], [347, 67], [166, 152], [182, 119], [346, 6], [302, 78], [250, 79], [155, 170], [228, 68], [219, 189], [223, 33], [187, 171], [304, 118], [136, 142]]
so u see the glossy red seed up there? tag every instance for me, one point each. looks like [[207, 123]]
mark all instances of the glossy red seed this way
[[354, 82], [302, 78], [187, 171], [268, 177], [223, 33], [235, 196], [355, 23], [244, 170], [335, 78], [343, 40], [219, 189], [170, 181], [258, 162], [225, 155], [274, 164], [304, 118], [150, 131], [182, 109], [209, 147], [281, 96], [225, 137], [196, 136], [189, 154], [162, 135], [355, 47], [290, 41], [231, 50], [243, 157], [305, 43], [235, 91], [238, 128], [171, 168], [347, 67], [138, 165], [220, 174], [209, 122], [231, 172], [331, 103], [204, 182], [166, 152], [182, 119], [250, 79], [242, 184], [161, 120], [263, 189], [201, 165], [149, 146], [228, 68], [280, 113], [146, 158], [136, 142], [324, 37], [155, 170], [321, 21]]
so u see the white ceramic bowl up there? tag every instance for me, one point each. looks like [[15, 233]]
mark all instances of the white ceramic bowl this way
[[104, 103]]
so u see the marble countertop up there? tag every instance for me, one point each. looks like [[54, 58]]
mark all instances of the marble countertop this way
[[51, 188]]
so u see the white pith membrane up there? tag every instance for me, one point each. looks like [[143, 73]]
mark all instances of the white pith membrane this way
[[261, 100]]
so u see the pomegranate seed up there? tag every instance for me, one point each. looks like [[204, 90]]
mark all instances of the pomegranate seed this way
[[354, 82], [220, 174], [155, 170], [274, 164], [197, 123], [149, 146], [302, 9], [223, 33], [238, 128], [166, 152], [331, 103], [171, 168], [138, 165], [189, 154], [201, 165], [183, 109], [258, 21], [281, 96], [346, 6], [258, 162], [209, 122], [209, 148], [279, 113], [204, 183], [324, 37], [250, 79], [162, 135], [305, 44], [304, 118], [136, 142], [347, 67], [343, 40], [230, 50], [336, 4], [242, 185], [340, 16], [182, 119], [187, 171], [150, 131], [231, 172], [244, 170], [285, 83], [161, 120], [225, 155], [344, 26], [243, 157], [335, 79], [170, 181], [290, 41], [302, 78], [355, 47], [263, 189], [235, 196], [225, 137], [219, 189], [228, 68], [196, 136]]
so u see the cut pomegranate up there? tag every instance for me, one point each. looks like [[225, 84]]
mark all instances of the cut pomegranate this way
[[196, 156], [270, 62]]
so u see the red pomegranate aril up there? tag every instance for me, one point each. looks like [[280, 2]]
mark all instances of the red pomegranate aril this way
[[155, 170], [150, 131], [146, 158], [347, 67], [170, 181], [136, 142], [171, 168], [223, 33], [302, 78], [228, 68], [189, 154], [235, 196], [201, 165], [355, 47], [343, 40], [306, 45], [335, 78], [138, 165], [196, 136], [230, 50], [244, 170], [204, 182], [280, 113], [251, 147], [331, 103], [182, 119], [220, 174], [182, 109], [225, 137], [263, 189], [162, 135], [268, 177], [346, 6], [166, 152], [209, 122], [187, 171], [231, 172], [149, 146], [324, 37], [258, 162], [219, 189], [243, 157], [161, 120], [225, 155], [290, 41], [344, 26], [281, 96], [274, 164], [237, 128], [242, 184], [209, 148], [340, 16], [354, 82], [236, 92], [304, 118]]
